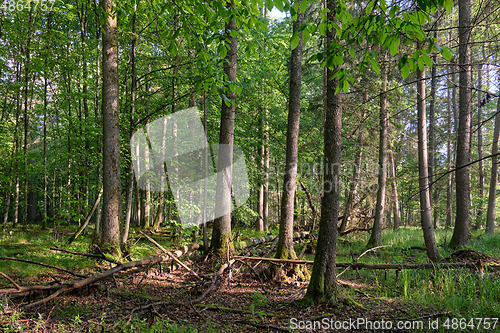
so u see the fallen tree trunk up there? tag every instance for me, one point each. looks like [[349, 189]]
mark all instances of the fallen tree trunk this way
[[358, 265]]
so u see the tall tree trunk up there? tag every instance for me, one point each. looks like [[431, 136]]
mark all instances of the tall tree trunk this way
[[461, 230], [285, 239], [449, 158], [323, 282], [222, 242], [265, 212], [133, 87], [395, 195], [355, 179], [425, 201], [490, 215], [479, 221], [110, 235], [432, 126], [259, 223], [376, 235]]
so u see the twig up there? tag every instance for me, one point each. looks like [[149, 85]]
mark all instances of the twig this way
[[191, 302], [171, 255], [11, 280], [44, 265], [90, 255], [256, 274]]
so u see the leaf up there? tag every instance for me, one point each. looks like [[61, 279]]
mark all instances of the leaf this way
[[279, 4], [383, 36], [375, 66], [420, 64], [402, 61], [393, 11], [294, 41], [345, 85], [322, 28], [447, 53], [427, 60], [369, 8], [448, 5], [393, 47], [351, 52], [405, 71], [269, 4], [303, 6], [305, 36]]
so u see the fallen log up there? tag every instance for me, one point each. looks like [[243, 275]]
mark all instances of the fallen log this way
[[358, 265]]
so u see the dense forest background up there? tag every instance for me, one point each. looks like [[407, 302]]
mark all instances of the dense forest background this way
[[375, 114]]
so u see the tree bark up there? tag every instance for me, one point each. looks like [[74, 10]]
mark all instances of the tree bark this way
[[395, 194], [259, 223], [490, 214], [449, 159], [432, 126], [425, 201], [323, 282], [354, 182], [376, 235], [222, 242], [133, 87], [285, 239], [461, 230], [479, 220], [110, 235]]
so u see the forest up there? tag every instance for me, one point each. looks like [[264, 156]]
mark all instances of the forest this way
[[249, 165]]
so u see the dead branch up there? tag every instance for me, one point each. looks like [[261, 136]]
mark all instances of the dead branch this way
[[97, 277], [18, 287], [191, 302], [44, 265], [172, 256], [357, 265], [353, 230], [87, 220], [361, 255], [90, 255]]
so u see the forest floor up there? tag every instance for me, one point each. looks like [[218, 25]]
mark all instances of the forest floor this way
[[240, 301]]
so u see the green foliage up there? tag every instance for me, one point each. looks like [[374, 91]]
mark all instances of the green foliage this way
[[258, 300]]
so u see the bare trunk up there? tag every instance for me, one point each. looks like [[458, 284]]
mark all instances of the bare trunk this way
[[285, 239], [323, 282], [222, 242], [490, 215], [432, 126], [110, 235], [376, 235], [259, 223], [449, 160], [354, 183], [425, 201], [395, 195], [479, 221], [461, 230]]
